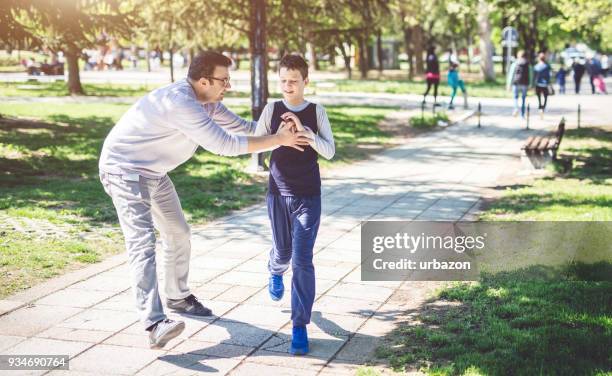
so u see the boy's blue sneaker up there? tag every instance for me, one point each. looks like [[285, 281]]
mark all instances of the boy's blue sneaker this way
[[299, 341], [276, 287]]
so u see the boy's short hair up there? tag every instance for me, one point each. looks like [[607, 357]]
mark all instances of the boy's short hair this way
[[295, 62], [204, 64]]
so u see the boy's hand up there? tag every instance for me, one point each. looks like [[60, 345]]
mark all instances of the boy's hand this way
[[290, 116], [289, 124], [292, 139]]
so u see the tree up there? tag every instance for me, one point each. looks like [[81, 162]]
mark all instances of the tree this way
[[486, 46], [591, 20], [71, 26], [12, 33]]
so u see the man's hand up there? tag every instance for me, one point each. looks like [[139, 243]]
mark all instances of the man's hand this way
[[292, 139], [290, 116]]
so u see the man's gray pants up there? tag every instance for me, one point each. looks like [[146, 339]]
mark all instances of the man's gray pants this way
[[144, 205]]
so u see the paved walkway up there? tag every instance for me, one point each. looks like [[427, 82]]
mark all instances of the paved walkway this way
[[438, 176]]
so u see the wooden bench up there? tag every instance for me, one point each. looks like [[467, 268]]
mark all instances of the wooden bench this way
[[540, 150]]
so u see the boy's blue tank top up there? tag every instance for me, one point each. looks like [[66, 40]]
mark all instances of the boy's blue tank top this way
[[293, 172]]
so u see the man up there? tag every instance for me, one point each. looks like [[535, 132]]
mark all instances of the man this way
[[578, 68], [158, 133]]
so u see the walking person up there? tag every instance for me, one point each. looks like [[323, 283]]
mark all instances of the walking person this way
[[432, 74], [161, 131], [541, 80], [455, 82], [592, 68], [519, 78], [596, 76], [578, 70]]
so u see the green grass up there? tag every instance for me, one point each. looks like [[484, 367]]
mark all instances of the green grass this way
[[428, 121], [37, 89], [583, 192], [403, 86], [49, 178], [528, 322], [393, 86], [59, 88]]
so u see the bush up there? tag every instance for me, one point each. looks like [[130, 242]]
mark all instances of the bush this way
[[428, 121]]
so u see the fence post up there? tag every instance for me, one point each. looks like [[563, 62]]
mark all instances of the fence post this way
[[479, 112], [578, 115], [528, 112]]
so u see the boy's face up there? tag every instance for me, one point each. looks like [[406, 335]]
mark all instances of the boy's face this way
[[292, 84]]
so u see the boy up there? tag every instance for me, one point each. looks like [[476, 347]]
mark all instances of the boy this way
[[560, 76], [294, 193], [454, 82]]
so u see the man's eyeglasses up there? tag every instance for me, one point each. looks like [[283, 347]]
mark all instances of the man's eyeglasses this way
[[225, 81]]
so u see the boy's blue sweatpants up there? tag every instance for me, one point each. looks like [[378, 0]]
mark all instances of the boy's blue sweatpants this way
[[295, 223]]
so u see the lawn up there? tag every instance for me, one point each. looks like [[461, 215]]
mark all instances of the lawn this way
[[54, 215], [527, 322], [536, 320], [402, 86], [584, 192], [392, 86], [58, 88]]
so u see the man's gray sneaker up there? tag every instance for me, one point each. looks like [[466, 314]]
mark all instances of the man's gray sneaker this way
[[190, 305], [164, 331]]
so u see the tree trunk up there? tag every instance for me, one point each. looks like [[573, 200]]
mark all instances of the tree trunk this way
[[259, 78], [505, 62], [171, 50], [148, 57], [332, 56], [408, 47], [468, 40], [346, 56], [470, 53], [486, 47], [313, 56], [160, 54], [379, 51], [417, 38], [363, 64], [527, 36], [171, 64], [74, 78]]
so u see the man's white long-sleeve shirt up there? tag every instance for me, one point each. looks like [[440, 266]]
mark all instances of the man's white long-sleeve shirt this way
[[164, 129]]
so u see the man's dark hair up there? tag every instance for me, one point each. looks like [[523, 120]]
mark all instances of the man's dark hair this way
[[295, 62], [204, 63]]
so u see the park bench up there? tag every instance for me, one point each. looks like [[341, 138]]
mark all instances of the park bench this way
[[541, 150]]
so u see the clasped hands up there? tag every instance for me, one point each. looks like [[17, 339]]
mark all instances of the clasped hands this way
[[302, 136]]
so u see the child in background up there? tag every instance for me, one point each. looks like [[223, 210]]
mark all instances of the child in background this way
[[454, 82], [294, 194], [560, 78]]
